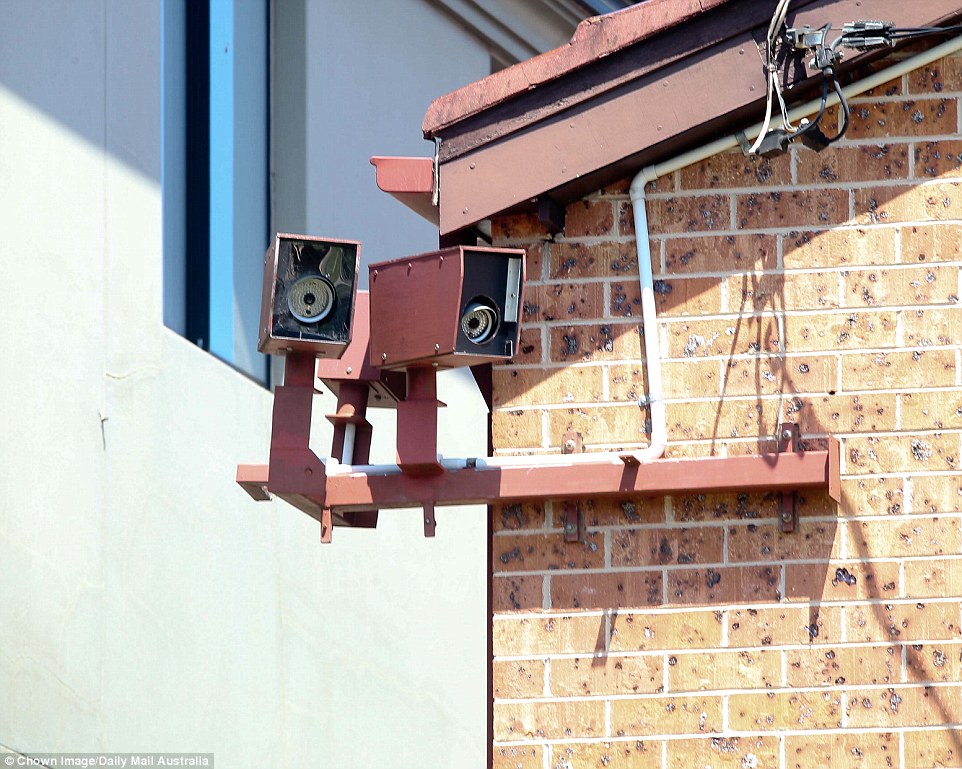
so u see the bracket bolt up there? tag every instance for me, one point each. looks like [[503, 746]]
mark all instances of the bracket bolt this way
[[786, 516], [570, 444], [786, 434]]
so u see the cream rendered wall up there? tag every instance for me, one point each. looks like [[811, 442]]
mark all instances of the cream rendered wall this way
[[145, 602]]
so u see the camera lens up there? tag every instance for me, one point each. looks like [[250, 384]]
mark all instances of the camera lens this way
[[311, 299], [479, 322]]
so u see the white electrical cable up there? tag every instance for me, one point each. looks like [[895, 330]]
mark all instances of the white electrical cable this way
[[778, 20]]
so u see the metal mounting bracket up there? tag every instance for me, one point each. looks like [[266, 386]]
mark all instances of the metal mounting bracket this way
[[789, 439]]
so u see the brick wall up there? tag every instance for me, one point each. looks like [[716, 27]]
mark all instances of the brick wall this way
[[689, 631]]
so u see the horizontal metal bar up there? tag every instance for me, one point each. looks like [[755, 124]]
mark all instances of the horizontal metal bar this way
[[363, 491]]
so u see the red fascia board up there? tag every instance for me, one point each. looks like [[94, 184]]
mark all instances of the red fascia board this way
[[594, 39], [410, 181]]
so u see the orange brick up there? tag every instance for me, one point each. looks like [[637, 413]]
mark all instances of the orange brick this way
[[930, 243], [724, 584], [518, 679], [548, 720], [766, 627], [872, 496], [535, 387], [936, 493], [645, 547], [760, 376], [543, 552], [688, 214], [518, 757], [842, 165], [745, 669], [801, 208], [889, 88], [681, 379], [723, 752], [912, 537], [786, 710], [932, 327], [901, 453], [534, 260], [841, 749], [589, 218], [838, 247], [517, 593], [563, 301], [714, 507], [898, 370], [933, 578], [746, 335], [933, 747], [934, 662], [514, 516], [570, 261], [809, 291], [932, 410], [940, 158], [518, 227], [903, 706], [673, 296], [813, 502], [606, 591], [624, 512], [744, 252], [585, 676], [844, 665], [914, 117], [894, 287], [529, 347], [602, 424], [633, 754], [734, 169], [838, 331], [596, 342], [632, 631], [903, 622], [868, 413], [952, 72], [833, 581], [765, 542], [929, 202], [516, 429], [730, 418], [534, 635], [927, 79], [673, 715]]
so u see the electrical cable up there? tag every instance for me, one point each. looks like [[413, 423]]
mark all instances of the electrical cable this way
[[857, 35], [778, 20]]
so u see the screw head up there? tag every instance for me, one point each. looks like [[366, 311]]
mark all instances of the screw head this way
[[570, 444], [786, 434]]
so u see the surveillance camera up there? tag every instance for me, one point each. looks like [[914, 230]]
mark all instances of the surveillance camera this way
[[308, 301], [456, 307]]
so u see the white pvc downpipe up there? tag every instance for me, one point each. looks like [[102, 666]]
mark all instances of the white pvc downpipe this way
[[659, 431]]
